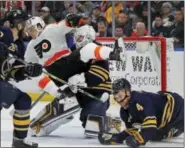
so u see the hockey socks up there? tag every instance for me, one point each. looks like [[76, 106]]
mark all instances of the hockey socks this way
[[21, 121]]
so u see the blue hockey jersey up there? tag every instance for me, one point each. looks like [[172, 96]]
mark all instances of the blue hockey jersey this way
[[149, 112]]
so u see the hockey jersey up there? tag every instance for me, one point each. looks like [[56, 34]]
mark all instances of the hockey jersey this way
[[149, 112], [50, 45], [16, 47]]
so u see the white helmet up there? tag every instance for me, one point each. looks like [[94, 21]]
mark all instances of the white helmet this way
[[84, 35], [35, 22]]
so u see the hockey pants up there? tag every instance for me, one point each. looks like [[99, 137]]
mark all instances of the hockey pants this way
[[10, 95]]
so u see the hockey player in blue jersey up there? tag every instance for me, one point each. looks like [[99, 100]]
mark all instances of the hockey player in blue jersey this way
[[147, 116], [14, 21], [12, 69]]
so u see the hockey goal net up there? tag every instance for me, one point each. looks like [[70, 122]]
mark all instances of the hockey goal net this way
[[146, 62]]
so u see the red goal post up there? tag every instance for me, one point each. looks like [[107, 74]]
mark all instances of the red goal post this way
[[131, 43]]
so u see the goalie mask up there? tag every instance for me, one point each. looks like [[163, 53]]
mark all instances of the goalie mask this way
[[84, 35], [34, 26]]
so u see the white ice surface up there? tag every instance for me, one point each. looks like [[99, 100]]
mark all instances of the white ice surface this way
[[69, 135]]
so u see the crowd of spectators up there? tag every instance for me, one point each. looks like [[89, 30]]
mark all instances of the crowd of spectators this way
[[131, 17]]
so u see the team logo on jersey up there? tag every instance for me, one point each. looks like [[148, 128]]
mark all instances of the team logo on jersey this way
[[46, 45], [1, 34], [43, 46], [12, 47], [139, 107]]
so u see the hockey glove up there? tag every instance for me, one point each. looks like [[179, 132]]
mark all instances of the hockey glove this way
[[132, 142], [74, 20], [64, 91], [76, 81], [33, 69], [111, 139]]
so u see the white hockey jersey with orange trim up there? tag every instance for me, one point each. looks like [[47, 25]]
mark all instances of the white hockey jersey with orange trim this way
[[51, 42], [53, 46]]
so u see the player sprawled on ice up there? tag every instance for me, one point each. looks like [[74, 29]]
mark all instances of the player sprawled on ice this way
[[49, 48], [147, 116], [13, 69]]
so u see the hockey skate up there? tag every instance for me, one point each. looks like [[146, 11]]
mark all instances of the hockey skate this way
[[22, 143]]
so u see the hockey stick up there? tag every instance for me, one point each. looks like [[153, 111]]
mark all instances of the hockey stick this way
[[33, 104], [103, 98]]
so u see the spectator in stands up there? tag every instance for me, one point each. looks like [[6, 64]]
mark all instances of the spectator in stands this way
[[140, 30], [38, 6], [103, 28], [122, 22], [108, 12], [80, 7], [88, 20], [156, 8], [104, 5], [141, 11], [68, 9], [178, 32], [84, 6], [119, 32], [158, 29], [46, 15], [96, 13], [167, 16], [131, 8]]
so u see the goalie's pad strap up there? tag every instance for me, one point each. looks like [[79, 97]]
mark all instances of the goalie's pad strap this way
[[64, 115]]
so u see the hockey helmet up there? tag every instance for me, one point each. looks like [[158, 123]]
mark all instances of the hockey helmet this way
[[16, 18], [84, 35], [120, 84], [35, 22]]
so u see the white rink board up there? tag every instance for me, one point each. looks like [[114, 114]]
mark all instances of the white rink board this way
[[142, 76]]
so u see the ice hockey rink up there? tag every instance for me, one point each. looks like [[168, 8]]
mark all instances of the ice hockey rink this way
[[69, 135]]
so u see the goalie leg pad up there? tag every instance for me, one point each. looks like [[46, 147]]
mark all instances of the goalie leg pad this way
[[94, 108], [52, 116], [102, 124]]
